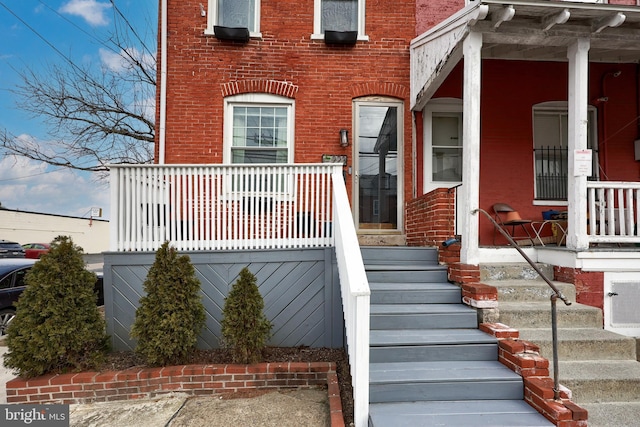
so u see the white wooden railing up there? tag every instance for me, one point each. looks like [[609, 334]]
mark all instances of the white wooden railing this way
[[209, 207], [613, 211], [355, 291]]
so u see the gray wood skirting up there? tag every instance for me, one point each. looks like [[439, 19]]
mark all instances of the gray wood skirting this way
[[300, 289]]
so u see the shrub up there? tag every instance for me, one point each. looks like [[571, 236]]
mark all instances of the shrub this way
[[171, 314], [57, 326], [245, 329]]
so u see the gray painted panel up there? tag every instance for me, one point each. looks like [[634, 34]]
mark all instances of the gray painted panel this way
[[300, 288]]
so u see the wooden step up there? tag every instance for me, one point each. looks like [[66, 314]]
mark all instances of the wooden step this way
[[407, 275], [431, 345], [399, 255], [425, 293], [476, 413], [422, 316], [442, 380]]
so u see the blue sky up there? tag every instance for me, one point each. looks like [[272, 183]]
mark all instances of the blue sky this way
[[67, 25]]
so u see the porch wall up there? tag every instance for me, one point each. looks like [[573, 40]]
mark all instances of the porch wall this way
[[589, 284], [300, 288]]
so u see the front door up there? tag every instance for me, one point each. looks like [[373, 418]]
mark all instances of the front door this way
[[377, 178]]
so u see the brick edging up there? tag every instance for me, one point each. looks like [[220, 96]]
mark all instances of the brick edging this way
[[523, 357], [194, 380]]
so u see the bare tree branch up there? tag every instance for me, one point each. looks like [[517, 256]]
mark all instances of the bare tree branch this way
[[95, 116]]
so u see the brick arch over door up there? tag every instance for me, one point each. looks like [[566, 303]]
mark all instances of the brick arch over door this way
[[379, 88], [274, 87]]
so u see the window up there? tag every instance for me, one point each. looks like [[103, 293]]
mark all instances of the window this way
[[339, 15], [258, 129], [442, 143], [550, 139], [234, 13]]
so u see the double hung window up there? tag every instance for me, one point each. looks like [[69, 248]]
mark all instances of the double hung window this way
[[339, 15], [235, 13], [550, 139]]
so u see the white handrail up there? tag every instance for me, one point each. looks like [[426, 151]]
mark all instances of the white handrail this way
[[354, 287]]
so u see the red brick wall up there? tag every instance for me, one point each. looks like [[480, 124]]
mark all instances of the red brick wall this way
[[589, 284], [322, 79]]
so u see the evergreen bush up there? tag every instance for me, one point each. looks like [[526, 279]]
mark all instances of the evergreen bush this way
[[171, 314], [245, 329], [58, 326]]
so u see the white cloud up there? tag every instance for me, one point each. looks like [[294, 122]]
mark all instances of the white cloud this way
[[32, 186], [91, 11], [122, 61]]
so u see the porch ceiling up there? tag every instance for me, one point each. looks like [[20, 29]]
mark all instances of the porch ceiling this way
[[524, 30]]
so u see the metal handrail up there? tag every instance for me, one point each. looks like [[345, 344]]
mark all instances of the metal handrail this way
[[556, 294]]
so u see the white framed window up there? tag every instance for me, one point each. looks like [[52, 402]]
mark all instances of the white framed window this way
[[258, 129], [443, 147], [550, 147], [339, 15], [234, 13]]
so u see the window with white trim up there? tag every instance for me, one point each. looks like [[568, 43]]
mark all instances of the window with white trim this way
[[234, 13], [339, 15], [550, 146], [258, 129], [442, 143]]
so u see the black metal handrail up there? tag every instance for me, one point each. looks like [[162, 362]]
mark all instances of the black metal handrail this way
[[556, 294]]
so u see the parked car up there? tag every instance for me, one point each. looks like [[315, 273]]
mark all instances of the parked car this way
[[12, 272], [10, 249], [35, 250]]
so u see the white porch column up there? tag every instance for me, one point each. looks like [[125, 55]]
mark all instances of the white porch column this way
[[469, 253], [578, 55]]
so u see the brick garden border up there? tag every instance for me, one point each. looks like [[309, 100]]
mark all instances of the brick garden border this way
[[194, 380]]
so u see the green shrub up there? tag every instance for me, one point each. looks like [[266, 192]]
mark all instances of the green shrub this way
[[58, 326], [245, 329], [171, 314]]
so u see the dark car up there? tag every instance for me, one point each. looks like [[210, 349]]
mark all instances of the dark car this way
[[12, 272], [11, 249], [35, 250]]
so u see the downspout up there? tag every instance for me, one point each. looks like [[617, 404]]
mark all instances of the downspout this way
[[163, 83]]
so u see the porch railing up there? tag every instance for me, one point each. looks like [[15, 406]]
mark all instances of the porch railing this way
[[613, 211], [209, 207]]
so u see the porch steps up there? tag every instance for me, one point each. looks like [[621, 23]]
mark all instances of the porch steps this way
[[598, 366], [429, 364]]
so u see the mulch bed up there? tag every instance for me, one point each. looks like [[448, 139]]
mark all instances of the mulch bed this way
[[124, 359]]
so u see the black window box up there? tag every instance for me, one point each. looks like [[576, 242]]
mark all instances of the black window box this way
[[239, 34], [340, 37]]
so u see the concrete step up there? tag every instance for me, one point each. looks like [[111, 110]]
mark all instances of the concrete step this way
[[594, 381], [422, 316], [583, 344], [538, 315], [431, 345], [513, 271], [516, 290], [426, 293], [399, 255], [619, 414], [428, 381], [477, 413]]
